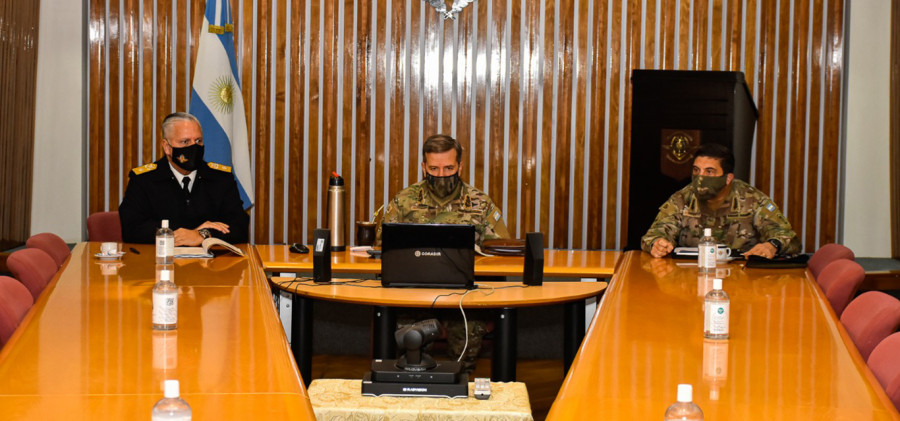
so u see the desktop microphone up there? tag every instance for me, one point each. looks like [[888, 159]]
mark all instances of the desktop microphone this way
[[321, 256], [533, 272]]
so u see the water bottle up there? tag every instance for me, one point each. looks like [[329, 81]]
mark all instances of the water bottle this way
[[165, 244], [165, 303], [706, 252], [171, 407], [336, 211], [684, 408], [716, 311]]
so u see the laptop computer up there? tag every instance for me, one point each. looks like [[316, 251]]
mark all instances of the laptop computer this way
[[427, 255]]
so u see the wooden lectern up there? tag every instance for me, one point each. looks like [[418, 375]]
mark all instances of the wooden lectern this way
[[672, 113]]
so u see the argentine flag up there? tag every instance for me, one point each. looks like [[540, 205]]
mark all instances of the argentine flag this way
[[216, 97]]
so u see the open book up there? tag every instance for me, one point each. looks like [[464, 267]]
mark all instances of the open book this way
[[203, 250]]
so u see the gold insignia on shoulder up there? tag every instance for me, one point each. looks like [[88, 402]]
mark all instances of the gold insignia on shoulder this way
[[219, 167], [144, 168]]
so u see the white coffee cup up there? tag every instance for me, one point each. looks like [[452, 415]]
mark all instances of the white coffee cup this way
[[723, 252], [109, 249]]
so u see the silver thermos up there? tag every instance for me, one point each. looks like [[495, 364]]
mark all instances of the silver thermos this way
[[336, 211]]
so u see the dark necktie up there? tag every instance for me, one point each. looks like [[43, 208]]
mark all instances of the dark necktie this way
[[186, 181]]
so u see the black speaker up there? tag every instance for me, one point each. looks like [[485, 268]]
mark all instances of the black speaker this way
[[533, 273], [322, 256]]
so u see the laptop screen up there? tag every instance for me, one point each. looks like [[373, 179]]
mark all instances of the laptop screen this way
[[427, 255]]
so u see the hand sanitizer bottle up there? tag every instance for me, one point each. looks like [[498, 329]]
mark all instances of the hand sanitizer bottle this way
[[716, 309], [165, 244], [165, 303], [685, 408], [706, 252], [171, 407]]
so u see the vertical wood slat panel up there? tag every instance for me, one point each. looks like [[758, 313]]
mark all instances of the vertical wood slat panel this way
[[296, 157], [797, 139], [19, 23], [611, 176], [831, 142], [262, 100], [114, 128], [701, 35], [476, 47], [894, 111], [545, 132], [563, 105], [278, 200], [815, 102], [96, 124], [513, 38], [596, 224], [130, 145]]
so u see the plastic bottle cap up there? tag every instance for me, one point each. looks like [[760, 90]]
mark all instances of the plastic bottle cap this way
[[685, 392], [717, 283], [171, 389], [165, 223], [164, 275], [707, 232]]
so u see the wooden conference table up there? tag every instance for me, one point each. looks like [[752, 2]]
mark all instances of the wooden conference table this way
[[87, 349], [557, 263], [788, 356]]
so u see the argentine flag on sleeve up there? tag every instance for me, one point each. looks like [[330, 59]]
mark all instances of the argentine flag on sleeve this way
[[216, 97]]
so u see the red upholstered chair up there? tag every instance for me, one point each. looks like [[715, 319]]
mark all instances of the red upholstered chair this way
[[870, 318], [885, 364], [104, 226], [840, 280], [15, 300], [827, 254], [32, 267], [53, 245]]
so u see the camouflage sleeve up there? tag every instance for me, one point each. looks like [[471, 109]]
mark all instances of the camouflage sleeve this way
[[666, 225], [494, 226], [391, 214], [771, 224]]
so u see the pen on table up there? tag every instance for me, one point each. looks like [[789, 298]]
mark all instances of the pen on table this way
[[134, 250]]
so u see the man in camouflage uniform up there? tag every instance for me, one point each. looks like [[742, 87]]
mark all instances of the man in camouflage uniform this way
[[442, 198], [740, 216]]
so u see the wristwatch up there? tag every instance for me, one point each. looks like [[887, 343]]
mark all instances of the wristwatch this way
[[204, 232], [775, 243]]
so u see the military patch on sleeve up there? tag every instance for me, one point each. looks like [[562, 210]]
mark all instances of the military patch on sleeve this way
[[770, 207], [144, 168], [496, 216], [219, 167]]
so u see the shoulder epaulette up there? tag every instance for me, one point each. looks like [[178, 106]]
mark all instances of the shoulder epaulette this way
[[219, 167], [144, 168]]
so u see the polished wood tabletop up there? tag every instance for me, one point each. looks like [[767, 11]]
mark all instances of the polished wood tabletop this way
[[487, 295], [560, 263], [787, 357], [87, 348]]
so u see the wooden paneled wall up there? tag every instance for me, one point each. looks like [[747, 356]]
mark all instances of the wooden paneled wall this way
[[18, 75], [538, 92]]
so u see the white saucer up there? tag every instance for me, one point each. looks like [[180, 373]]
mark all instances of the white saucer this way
[[116, 256]]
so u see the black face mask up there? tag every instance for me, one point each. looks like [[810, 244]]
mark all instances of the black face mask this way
[[442, 187], [188, 157]]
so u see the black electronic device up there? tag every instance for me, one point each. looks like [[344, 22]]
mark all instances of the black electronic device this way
[[458, 389], [321, 256], [533, 271], [428, 255], [298, 248], [415, 373]]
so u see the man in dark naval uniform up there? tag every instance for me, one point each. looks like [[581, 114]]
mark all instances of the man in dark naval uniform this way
[[200, 199]]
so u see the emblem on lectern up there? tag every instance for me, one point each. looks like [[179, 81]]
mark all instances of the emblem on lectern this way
[[677, 148]]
